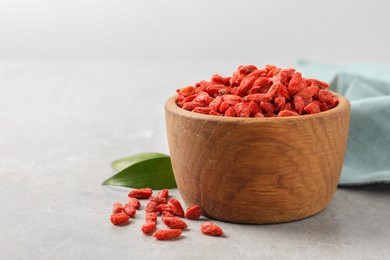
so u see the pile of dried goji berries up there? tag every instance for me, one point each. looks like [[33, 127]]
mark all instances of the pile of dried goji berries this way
[[253, 92], [169, 209]]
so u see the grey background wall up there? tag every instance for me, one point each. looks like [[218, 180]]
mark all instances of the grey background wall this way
[[278, 31]]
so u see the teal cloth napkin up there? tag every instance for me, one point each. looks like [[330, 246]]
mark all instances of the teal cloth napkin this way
[[367, 87]]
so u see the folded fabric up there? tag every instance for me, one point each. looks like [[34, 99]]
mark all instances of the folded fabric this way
[[367, 87]]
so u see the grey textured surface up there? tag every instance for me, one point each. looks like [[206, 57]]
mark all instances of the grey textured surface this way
[[62, 124]]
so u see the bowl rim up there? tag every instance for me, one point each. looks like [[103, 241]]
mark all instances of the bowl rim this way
[[171, 106]]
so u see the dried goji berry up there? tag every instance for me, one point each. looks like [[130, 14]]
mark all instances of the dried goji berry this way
[[254, 108], [219, 79], [164, 207], [158, 200], [191, 105], [312, 108], [232, 99], [187, 91], [258, 97], [273, 90], [224, 106], [296, 83], [318, 83], [129, 210], [151, 217], [174, 222], [211, 229], [299, 104], [259, 115], [203, 98], [167, 234], [148, 227], [279, 102], [202, 110], [246, 85], [287, 113], [194, 212], [242, 110], [215, 113], [143, 193], [117, 207], [214, 89], [246, 69], [166, 214], [151, 207], [230, 112], [216, 103], [267, 107], [119, 218], [134, 203], [176, 207], [258, 73]]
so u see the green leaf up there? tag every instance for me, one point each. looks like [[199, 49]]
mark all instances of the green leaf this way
[[155, 173], [125, 162]]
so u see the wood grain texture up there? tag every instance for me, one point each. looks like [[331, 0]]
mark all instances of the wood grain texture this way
[[258, 170]]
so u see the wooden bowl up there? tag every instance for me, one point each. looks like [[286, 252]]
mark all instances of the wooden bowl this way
[[257, 170]]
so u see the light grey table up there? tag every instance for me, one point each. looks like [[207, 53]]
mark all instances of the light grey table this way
[[62, 124]]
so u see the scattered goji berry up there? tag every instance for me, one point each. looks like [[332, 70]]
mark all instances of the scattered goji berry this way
[[129, 210], [211, 229], [117, 207], [164, 207], [167, 234], [134, 203], [176, 207], [151, 217], [174, 222], [193, 212], [151, 207], [165, 214], [119, 218], [143, 193], [148, 227]]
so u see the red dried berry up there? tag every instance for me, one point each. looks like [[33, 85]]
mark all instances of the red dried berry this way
[[148, 227], [219, 79], [129, 210], [143, 193], [258, 97], [230, 112], [151, 217], [119, 218], [299, 104], [242, 110], [117, 207], [176, 207], [174, 222], [194, 212], [134, 203], [165, 214], [158, 200], [211, 229], [151, 207], [312, 108], [167, 234], [202, 110], [186, 91], [164, 207], [287, 113]]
